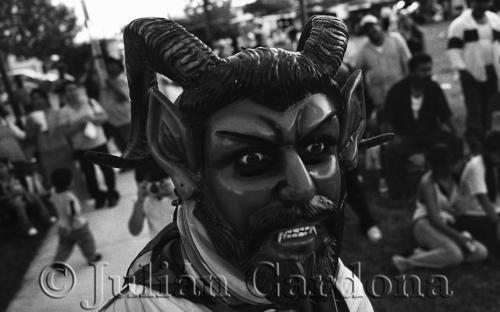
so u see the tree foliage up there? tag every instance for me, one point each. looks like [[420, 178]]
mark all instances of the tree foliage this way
[[220, 15], [35, 27], [266, 7]]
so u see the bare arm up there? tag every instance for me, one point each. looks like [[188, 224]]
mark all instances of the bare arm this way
[[455, 46], [485, 203], [100, 115], [99, 118], [18, 133], [428, 197]]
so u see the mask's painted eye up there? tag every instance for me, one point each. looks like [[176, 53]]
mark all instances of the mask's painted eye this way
[[316, 151], [316, 148], [253, 163], [252, 159]]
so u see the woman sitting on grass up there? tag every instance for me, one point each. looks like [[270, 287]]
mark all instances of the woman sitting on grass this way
[[444, 246]]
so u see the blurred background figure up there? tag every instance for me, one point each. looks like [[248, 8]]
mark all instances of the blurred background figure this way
[[81, 119], [73, 227], [115, 101], [20, 93], [384, 61], [10, 139], [412, 34], [474, 51], [417, 111], [478, 206], [52, 149], [358, 202], [15, 199], [433, 221], [155, 193]]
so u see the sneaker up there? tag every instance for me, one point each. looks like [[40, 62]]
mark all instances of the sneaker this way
[[401, 263], [32, 231], [113, 198], [97, 258], [374, 234]]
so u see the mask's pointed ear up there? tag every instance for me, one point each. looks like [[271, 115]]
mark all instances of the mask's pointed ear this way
[[354, 120], [172, 144]]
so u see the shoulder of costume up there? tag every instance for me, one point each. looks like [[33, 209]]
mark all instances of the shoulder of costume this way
[[153, 249], [138, 298]]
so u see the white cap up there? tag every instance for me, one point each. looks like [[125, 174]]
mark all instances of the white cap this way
[[368, 19]]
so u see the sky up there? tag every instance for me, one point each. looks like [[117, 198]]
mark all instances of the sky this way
[[109, 16]]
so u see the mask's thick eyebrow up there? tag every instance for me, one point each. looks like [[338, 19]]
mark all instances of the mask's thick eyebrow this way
[[243, 138], [306, 131]]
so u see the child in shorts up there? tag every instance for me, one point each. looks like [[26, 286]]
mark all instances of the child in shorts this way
[[73, 227]]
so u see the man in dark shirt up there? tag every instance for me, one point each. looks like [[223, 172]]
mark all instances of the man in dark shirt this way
[[417, 111]]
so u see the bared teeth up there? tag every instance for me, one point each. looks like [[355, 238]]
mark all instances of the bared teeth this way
[[297, 232]]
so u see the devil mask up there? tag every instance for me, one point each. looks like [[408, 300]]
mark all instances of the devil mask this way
[[255, 145]]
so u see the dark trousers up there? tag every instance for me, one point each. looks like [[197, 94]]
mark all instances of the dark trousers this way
[[477, 96], [23, 205], [119, 134], [395, 155], [90, 175], [82, 237], [481, 229], [357, 199]]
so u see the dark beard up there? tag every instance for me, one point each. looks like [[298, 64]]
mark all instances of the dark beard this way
[[249, 253]]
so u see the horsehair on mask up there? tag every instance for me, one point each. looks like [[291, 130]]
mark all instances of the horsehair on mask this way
[[275, 78], [271, 77]]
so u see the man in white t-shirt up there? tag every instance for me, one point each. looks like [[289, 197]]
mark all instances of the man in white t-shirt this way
[[478, 206], [474, 51], [81, 119]]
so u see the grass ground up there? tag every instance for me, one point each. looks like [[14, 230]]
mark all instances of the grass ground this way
[[474, 287]]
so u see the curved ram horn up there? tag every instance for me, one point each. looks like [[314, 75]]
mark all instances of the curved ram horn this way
[[324, 40], [155, 45]]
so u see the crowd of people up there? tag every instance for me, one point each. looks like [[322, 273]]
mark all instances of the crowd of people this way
[[457, 198], [48, 137], [457, 208], [45, 176]]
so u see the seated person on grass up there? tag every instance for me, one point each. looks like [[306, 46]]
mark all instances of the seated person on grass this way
[[478, 207], [14, 198], [417, 112], [432, 221]]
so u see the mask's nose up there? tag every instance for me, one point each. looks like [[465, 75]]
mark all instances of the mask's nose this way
[[298, 185]]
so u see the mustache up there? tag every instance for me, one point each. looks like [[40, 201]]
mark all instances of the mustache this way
[[282, 215]]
